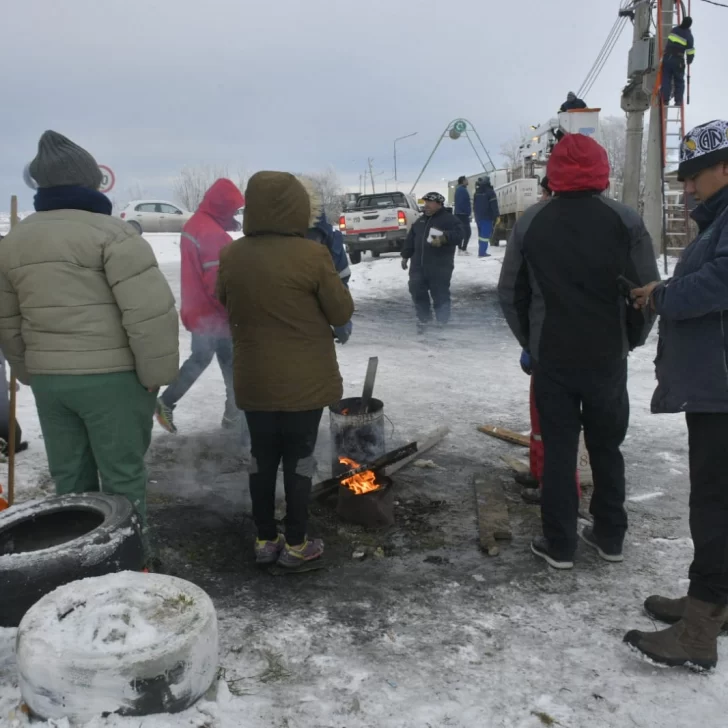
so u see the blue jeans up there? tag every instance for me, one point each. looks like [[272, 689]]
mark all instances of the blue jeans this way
[[204, 348]]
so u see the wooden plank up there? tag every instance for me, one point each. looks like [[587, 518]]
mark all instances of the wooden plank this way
[[516, 464], [492, 510], [515, 438], [326, 487], [366, 395], [423, 444]]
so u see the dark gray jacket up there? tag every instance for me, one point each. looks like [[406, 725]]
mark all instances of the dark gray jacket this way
[[558, 286], [423, 255], [692, 353]]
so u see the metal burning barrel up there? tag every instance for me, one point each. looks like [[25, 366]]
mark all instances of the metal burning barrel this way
[[359, 437]]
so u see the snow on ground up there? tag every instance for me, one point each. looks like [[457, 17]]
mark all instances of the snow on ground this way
[[453, 639]]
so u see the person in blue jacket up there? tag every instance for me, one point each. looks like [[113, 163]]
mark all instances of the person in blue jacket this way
[[323, 232], [463, 210], [692, 377], [486, 213], [680, 48]]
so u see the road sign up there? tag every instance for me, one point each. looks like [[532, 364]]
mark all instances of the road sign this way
[[108, 180], [460, 126]]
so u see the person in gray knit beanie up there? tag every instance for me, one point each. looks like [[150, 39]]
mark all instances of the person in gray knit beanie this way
[[61, 163]]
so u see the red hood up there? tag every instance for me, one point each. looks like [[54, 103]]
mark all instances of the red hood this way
[[578, 163], [222, 201]]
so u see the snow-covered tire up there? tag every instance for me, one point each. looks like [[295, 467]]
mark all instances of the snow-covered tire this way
[[45, 544], [355, 257], [128, 643]]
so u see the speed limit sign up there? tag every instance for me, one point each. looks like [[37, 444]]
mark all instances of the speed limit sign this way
[[107, 178]]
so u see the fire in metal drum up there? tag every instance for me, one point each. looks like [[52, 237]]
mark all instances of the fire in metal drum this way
[[371, 510], [355, 436]]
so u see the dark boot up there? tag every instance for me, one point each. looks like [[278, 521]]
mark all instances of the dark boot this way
[[669, 610], [691, 642], [527, 480]]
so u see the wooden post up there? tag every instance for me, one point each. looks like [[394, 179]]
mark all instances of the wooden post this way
[[13, 388]]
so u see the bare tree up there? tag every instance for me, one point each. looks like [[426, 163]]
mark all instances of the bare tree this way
[[330, 189], [509, 150], [613, 132], [190, 186]]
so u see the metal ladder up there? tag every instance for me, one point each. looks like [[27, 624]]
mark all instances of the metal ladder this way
[[675, 212]]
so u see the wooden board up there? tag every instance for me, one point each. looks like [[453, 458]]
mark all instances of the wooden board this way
[[515, 438], [492, 510], [423, 444], [516, 464], [368, 390]]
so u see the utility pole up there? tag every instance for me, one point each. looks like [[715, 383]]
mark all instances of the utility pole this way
[[655, 161], [636, 100], [399, 139], [371, 174]]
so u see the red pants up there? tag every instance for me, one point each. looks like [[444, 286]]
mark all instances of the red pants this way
[[536, 448]]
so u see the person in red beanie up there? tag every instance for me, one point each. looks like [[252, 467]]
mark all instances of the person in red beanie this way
[[561, 298], [203, 237]]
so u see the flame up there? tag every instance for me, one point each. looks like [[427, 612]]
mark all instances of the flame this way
[[361, 483]]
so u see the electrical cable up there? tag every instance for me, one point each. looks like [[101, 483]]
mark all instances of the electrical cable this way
[[605, 51], [713, 2]]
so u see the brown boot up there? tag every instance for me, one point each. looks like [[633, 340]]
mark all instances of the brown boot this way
[[692, 641], [669, 610]]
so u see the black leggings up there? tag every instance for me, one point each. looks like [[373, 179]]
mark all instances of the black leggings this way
[[291, 437]]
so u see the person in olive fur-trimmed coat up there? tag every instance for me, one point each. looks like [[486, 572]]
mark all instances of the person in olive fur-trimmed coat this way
[[283, 296]]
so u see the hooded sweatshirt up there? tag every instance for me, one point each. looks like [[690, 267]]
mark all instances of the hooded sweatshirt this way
[[203, 237], [283, 295]]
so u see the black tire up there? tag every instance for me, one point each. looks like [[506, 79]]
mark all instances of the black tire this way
[[375, 254], [137, 227], [355, 257], [46, 544], [495, 243]]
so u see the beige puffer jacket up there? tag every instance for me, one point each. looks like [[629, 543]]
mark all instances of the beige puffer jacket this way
[[81, 293]]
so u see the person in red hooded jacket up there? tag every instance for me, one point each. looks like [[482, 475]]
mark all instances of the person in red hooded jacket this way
[[203, 237], [560, 292]]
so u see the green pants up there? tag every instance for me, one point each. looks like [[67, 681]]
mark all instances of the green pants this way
[[96, 424]]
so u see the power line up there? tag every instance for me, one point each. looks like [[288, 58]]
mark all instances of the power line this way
[[605, 51], [713, 2]]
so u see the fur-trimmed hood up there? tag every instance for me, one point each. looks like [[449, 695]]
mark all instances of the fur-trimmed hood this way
[[278, 203]]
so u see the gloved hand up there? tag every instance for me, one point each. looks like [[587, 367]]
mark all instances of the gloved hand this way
[[438, 241], [405, 262], [342, 333], [526, 363]]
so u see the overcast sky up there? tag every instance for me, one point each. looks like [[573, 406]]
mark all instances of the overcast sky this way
[[149, 86]]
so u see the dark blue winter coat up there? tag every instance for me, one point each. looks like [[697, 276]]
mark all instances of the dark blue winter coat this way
[[680, 43], [692, 352], [324, 233], [463, 205], [486, 203]]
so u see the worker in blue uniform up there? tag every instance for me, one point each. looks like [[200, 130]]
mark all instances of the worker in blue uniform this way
[[680, 49]]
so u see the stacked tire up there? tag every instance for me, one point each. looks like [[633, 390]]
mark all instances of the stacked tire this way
[[49, 543]]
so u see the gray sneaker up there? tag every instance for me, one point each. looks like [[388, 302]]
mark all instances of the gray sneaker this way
[[165, 416], [293, 556], [267, 552], [611, 553]]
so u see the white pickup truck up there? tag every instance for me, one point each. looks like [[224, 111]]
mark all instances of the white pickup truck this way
[[378, 223]]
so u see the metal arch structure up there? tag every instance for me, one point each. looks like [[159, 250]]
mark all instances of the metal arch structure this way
[[454, 130]]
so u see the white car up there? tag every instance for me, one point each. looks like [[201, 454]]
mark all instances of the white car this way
[[155, 216]]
